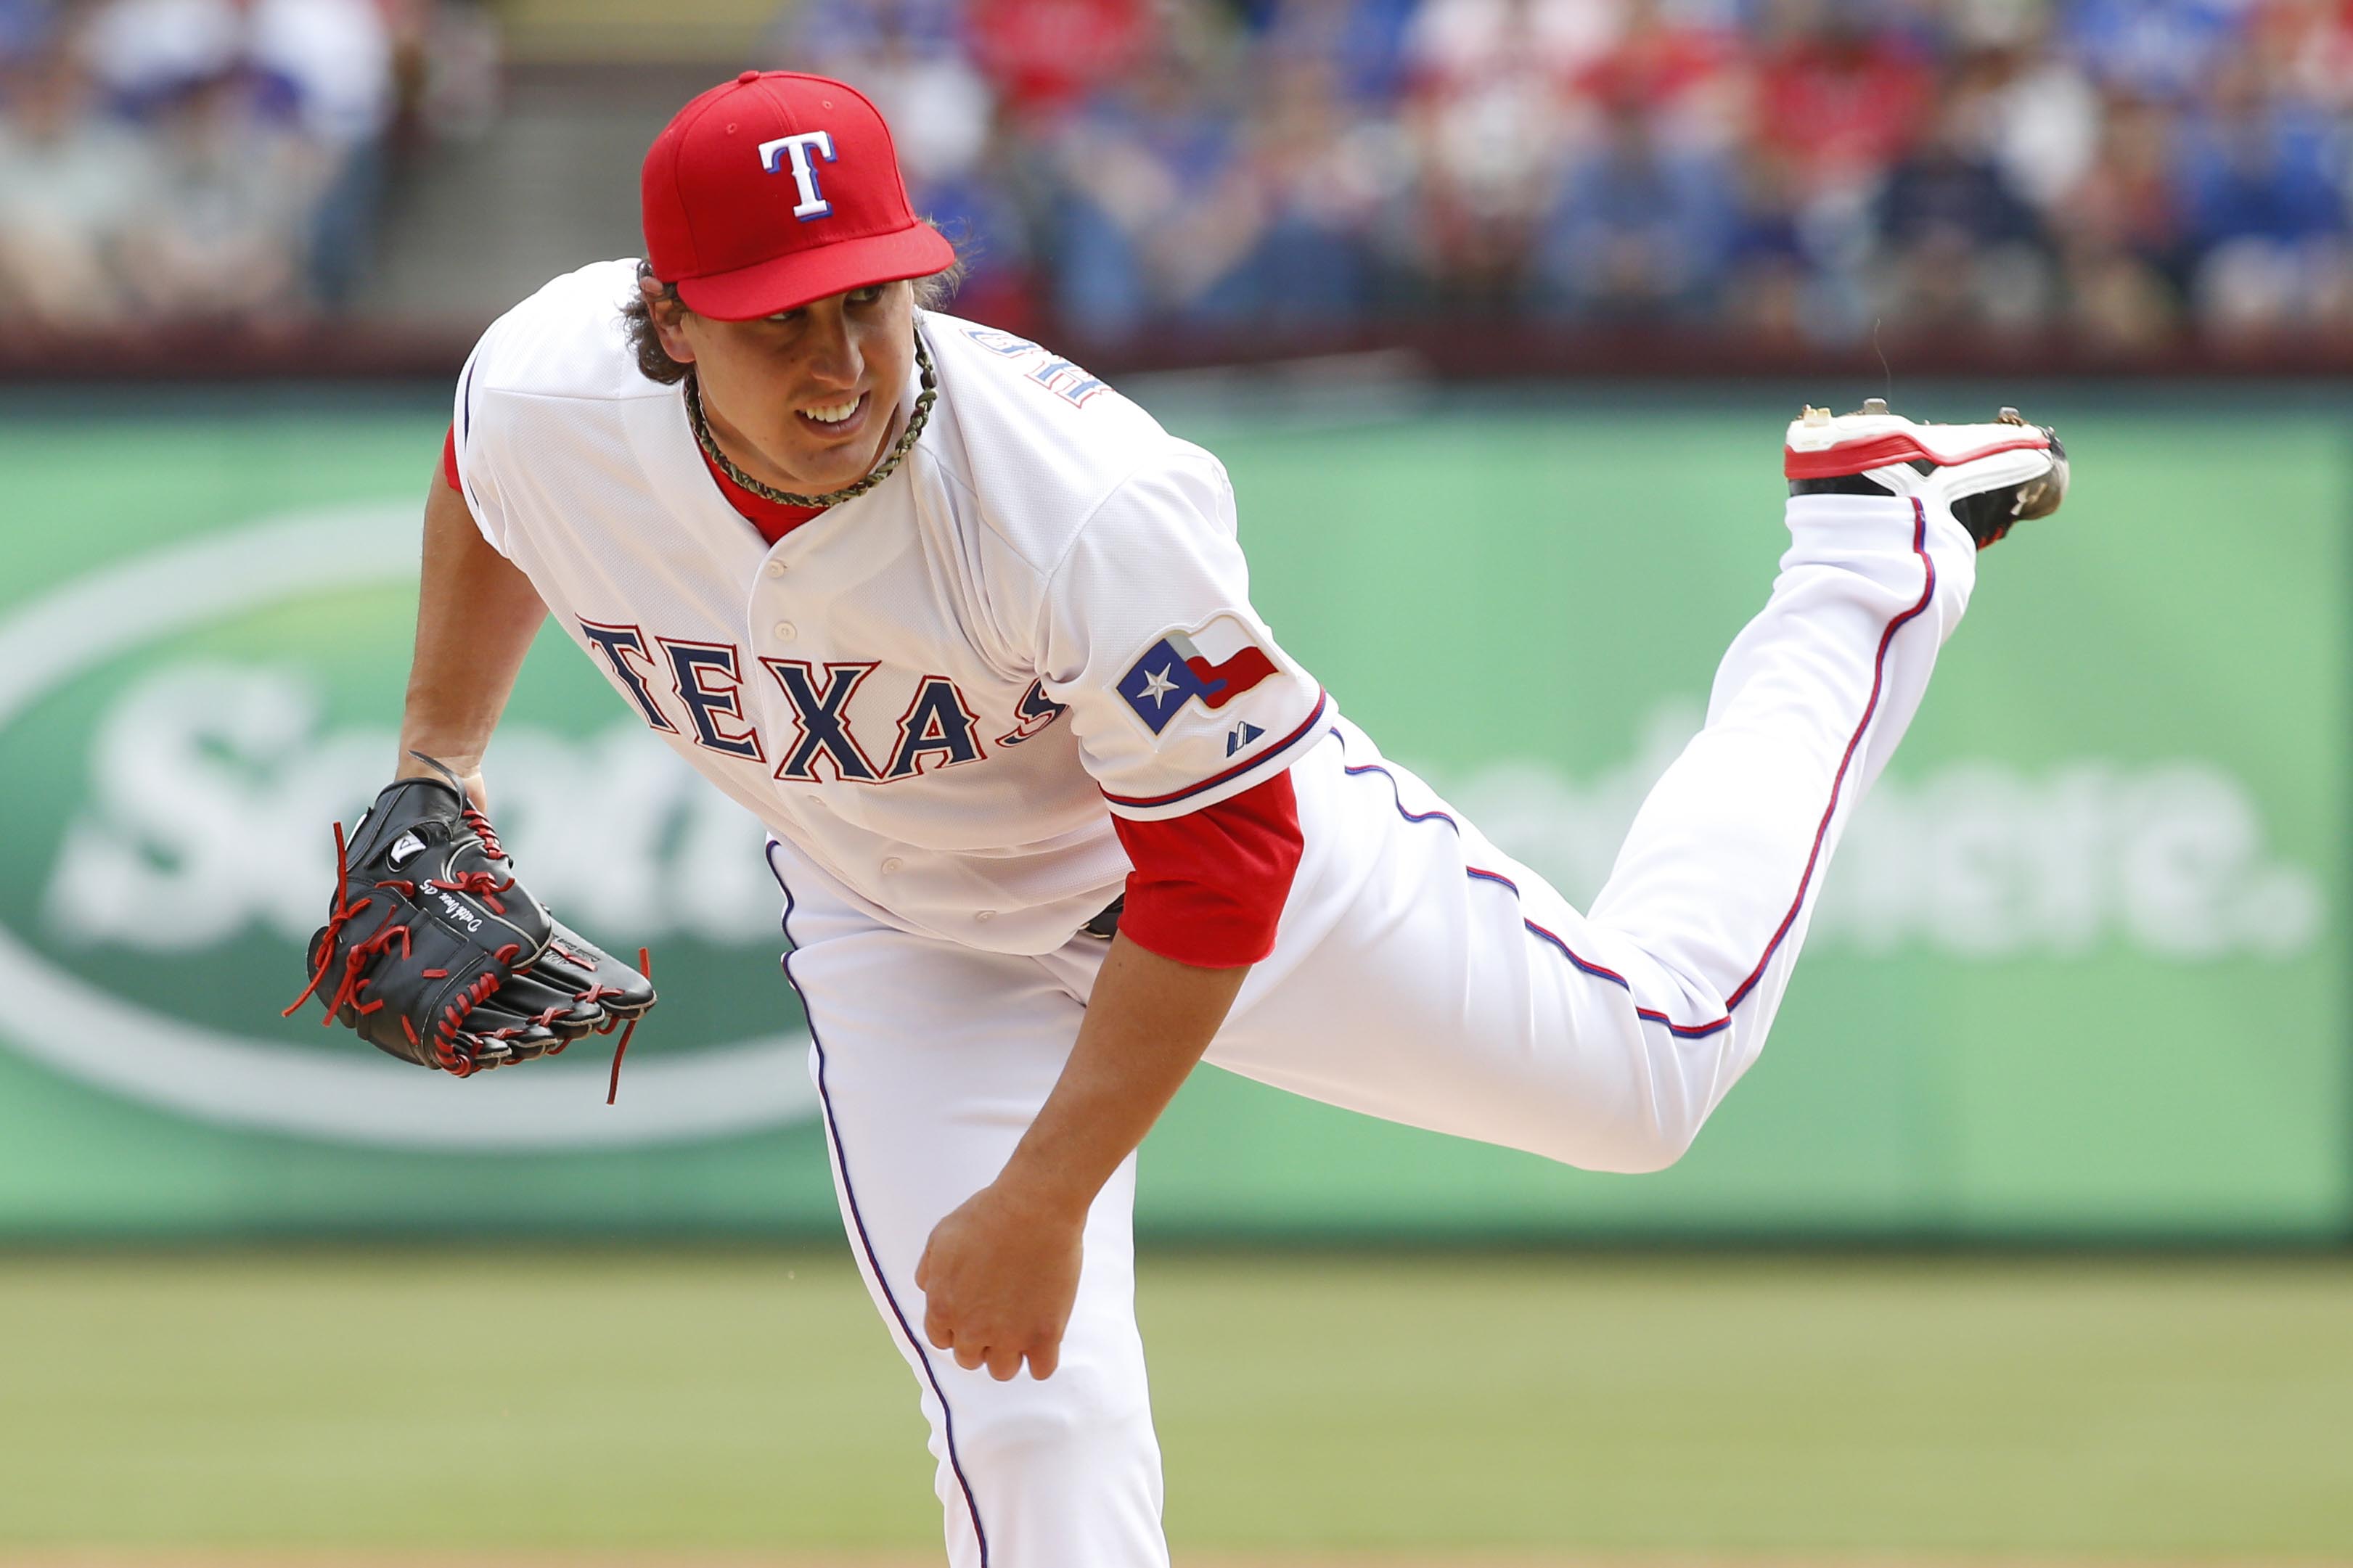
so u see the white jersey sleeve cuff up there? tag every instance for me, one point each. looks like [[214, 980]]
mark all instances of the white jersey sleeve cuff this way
[[474, 485], [1225, 785]]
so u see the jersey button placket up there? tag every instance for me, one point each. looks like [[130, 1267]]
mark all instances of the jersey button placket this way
[[785, 631]]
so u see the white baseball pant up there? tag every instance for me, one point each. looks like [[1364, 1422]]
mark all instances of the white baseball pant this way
[[1419, 975]]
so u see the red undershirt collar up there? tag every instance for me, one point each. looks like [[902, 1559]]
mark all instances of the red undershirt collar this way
[[773, 519]]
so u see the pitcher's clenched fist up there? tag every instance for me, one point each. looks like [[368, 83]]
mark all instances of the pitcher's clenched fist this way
[[999, 1277]]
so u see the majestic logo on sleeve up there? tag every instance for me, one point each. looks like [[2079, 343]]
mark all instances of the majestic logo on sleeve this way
[[1212, 664]]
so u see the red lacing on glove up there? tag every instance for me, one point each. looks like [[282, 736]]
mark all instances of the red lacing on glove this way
[[451, 1058], [481, 884], [482, 830], [361, 955], [646, 968], [484, 884], [338, 918], [454, 1058]]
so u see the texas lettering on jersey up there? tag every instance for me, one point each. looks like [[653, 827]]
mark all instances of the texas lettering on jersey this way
[[1036, 711], [938, 730]]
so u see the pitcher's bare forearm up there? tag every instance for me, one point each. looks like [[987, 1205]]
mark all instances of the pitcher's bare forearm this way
[[999, 1274], [476, 614], [1149, 1020]]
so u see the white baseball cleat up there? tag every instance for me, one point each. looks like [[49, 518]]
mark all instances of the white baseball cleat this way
[[1991, 476]]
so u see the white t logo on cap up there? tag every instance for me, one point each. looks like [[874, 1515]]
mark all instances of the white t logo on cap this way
[[796, 150]]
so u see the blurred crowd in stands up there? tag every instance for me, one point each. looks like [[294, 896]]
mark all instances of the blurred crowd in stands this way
[[2133, 173], [166, 161], [2125, 170]]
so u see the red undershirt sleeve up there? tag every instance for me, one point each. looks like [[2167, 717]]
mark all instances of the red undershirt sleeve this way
[[1210, 885], [450, 461]]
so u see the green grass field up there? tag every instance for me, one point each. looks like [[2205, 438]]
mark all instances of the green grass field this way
[[1439, 1407]]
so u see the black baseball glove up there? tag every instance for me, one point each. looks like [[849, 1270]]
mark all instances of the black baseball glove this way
[[435, 954]]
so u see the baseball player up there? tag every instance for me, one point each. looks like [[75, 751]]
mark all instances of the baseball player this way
[[1054, 815]]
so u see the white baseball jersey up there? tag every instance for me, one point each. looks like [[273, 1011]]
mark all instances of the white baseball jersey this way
[[934, 691]]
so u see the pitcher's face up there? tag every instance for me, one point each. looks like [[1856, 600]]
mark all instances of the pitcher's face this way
[[812, 393]]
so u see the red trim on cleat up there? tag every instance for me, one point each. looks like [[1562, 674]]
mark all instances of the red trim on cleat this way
[[1857, 456]]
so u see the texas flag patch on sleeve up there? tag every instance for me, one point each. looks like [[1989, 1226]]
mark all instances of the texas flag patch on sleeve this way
[[1210, 665]]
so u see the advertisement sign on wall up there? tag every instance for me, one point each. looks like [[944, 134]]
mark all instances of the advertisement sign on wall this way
[[2074, 969]]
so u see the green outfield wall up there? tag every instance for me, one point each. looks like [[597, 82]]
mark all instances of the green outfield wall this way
[[2079, 970]]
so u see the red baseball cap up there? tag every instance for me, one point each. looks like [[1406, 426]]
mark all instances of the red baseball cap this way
[[776, 189]]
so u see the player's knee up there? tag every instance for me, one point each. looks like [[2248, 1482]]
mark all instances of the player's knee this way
[[1051, 1426], [1631, 1147], [1658, 1146]]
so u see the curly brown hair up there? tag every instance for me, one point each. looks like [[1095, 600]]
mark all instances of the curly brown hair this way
[[655, 363]]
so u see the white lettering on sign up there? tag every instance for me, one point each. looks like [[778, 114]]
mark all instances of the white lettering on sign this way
[[211, 786], [1976, 859], [266, 768], [197, 771]]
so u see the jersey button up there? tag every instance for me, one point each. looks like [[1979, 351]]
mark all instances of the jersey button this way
[[985, 915], [776, 568], [787, 631], [891, 864]]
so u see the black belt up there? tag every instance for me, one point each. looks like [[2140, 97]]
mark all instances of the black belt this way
[[1106, 924]]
